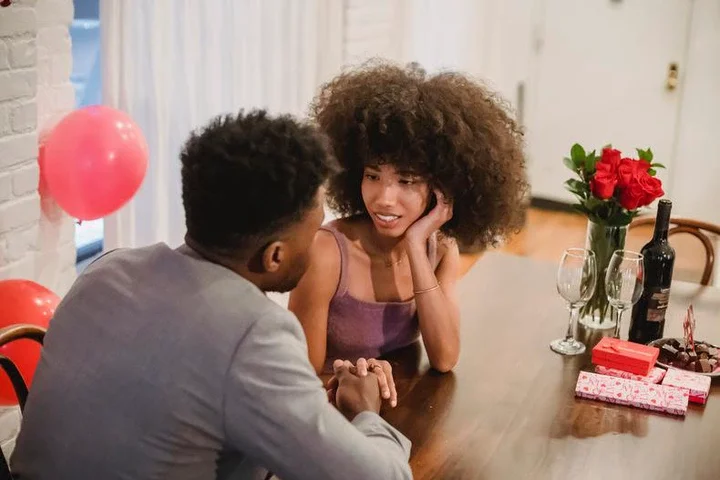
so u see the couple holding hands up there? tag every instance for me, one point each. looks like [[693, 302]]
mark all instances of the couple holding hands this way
[[172, 362]]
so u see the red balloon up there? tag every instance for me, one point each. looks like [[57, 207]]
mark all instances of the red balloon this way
[[94, 161], [23, 301]]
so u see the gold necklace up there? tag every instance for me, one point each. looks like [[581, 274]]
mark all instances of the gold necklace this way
[[388, 263]]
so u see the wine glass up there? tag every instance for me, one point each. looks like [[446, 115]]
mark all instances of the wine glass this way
[[576, 280], [624, 283]]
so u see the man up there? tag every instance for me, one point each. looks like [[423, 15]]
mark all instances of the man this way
[[173, 364]]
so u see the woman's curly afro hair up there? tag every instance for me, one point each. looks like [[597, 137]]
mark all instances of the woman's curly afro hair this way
[[446, 127]]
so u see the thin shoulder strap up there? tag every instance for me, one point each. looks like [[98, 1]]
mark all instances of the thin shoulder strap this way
[[342, 246]]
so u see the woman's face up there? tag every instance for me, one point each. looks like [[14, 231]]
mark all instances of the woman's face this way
[[394, 199]]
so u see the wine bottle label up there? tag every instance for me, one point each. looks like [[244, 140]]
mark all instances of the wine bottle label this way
[[657, 304]]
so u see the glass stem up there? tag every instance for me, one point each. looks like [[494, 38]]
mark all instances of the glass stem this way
[[570, 335], [618, 319]]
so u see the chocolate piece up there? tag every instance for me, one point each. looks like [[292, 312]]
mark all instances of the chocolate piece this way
[[701, 348], [703, 356], [683, 357], [692, 366], [704, 366], [713, 352], [713, 362], [673, 342], [669, 351], [692, 356]]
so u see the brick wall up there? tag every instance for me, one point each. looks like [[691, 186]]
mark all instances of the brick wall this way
[[36, 237]]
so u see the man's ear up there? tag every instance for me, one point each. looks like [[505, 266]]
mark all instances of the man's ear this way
[[273, 256]]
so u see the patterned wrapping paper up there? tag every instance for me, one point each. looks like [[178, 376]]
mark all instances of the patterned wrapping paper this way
[[698, 386], [659, 398], [655, 376]]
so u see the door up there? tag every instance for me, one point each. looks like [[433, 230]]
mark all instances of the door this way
[[600, 76]]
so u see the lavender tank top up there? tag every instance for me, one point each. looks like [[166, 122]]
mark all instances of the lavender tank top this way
[[358, 328]]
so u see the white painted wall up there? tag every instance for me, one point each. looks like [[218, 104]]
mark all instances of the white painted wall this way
[[36, 237]]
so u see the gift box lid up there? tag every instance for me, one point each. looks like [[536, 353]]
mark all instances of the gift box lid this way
[[621, 352], [698, 385]]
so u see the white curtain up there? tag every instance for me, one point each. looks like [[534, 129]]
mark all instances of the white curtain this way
[[445, 35], [174, 64]]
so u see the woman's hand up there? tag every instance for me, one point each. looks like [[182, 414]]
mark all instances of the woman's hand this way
[[420, 231], [382, 370]]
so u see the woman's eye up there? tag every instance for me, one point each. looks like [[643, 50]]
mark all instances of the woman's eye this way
[[371, 176], [407, 181]]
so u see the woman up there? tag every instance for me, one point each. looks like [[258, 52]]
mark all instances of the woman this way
[[429, 162]]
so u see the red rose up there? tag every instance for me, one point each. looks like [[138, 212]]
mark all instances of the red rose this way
[[629, 169], [641, 191], [602, 185], [609, 160], [626, 172]]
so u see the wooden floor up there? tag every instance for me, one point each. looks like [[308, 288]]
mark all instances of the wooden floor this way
[[547, 233]]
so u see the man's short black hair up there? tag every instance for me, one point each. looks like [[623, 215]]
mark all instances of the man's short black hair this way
[[247, 177]]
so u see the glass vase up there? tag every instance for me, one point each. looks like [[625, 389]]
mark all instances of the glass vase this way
[[603, 240]]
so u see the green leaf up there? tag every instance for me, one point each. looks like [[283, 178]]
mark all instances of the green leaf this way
[[577, 153], [569, 164], [590, 162], [594, 203], [657, 165], [577, 187], [646, 155], [652, 172]]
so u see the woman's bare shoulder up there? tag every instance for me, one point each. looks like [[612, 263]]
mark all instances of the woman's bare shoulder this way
[[446, 246]]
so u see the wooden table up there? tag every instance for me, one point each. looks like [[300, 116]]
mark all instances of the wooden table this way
[[508, 410]]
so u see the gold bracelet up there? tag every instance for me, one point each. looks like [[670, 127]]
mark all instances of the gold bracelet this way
[[418, 292]]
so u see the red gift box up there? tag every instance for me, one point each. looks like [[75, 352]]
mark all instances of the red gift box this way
[[655, 376], [698, 386], [623, 355], [659, 398]]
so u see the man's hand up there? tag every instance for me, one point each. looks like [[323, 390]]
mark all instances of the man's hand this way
[[353, 394], [382, 370]]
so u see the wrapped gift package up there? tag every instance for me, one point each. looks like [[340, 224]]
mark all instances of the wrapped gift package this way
[[655, 376], [623, 355], [698, 386], [659, 398]]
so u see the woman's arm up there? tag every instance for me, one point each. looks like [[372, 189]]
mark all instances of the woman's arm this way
[[310, 300], [437, 305]]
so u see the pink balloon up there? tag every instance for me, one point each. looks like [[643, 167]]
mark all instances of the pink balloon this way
[[94, 161]]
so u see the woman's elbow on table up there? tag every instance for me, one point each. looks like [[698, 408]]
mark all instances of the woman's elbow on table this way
[[444, 365]]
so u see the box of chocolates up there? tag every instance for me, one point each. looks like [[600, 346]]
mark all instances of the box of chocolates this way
[[698, 386], [655, 376], [623, 355], [659, 398]]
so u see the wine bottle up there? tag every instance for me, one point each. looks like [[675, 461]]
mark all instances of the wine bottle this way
[[648, 314]]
